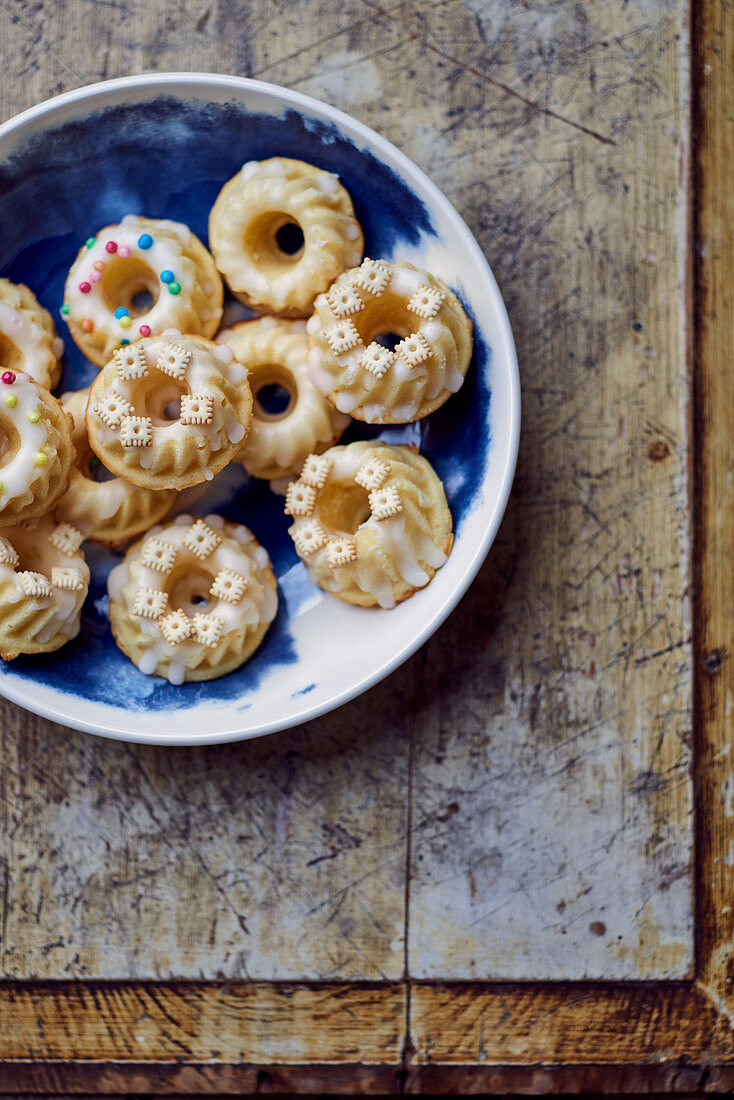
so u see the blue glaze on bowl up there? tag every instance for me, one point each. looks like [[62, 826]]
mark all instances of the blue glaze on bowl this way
[[169, 158]]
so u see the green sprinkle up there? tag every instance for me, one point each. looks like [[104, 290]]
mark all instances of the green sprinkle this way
[[11, 400], [174, 288], [34, 417], [124, 343], [90, 242], [65, 309]]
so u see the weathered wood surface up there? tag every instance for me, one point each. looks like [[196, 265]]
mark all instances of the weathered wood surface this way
[[714, 494], [546, 775], [552, 798]]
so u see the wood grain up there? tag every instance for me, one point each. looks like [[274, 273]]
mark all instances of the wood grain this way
[[267, 859], [562, 1023], [552, 797], [546, 776], [714, 209], [255, 1023], [565, 696]]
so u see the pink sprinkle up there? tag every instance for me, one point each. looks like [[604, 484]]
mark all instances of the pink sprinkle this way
[[123, 250], [111, 246], [144, 330], [8, 377], [95, 277], [85, 288]]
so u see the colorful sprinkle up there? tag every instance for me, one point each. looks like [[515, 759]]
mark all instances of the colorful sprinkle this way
[[65, 309], [125, 322], [90, 242], [7, 377], [99, 265], [144, 330], [11, 400], [174, 288], [111, 246], [87, 324], [95, 277], [124, 343], [34, 417], [85, 287], [41, 459], [123, 250], [121, 312], [167, 276], [145, 241]]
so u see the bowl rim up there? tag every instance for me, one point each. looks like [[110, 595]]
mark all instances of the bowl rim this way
[[507, 461]]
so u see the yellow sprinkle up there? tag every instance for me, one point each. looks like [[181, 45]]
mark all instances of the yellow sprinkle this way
[[11, 400], [125, 322], [34, 417], [41, 459]]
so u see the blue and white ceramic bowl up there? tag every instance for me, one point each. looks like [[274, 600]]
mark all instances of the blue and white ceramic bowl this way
[[163, 145]]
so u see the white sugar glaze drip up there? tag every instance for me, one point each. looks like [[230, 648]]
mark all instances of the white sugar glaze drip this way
[[20, 472], [165, 254], [30, 340], [405, 544], [63, 607], [224, 427], [258, 605]]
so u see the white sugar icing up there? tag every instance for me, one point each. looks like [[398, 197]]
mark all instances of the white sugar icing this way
[[31, 341], [235, 552], [20, 471], [407, 546]]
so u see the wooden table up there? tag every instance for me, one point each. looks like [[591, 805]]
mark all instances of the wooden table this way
[[511, 864]]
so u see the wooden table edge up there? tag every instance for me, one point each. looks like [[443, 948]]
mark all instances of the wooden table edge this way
[[349, 1037]]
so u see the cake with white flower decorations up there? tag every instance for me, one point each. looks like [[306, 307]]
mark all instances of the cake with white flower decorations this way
[[43, 583], [192, 600], [103, 507], [353, 324], [169, 411], [370, 521]]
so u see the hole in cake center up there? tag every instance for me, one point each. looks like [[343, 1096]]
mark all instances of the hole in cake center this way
[[275, 242], [128, 282], [274, 394], [9, 442], [290, 238], [343, 507], [387, 339], [162, 401], [188, 590], [10, 357], [96, 471], [384, 320], [142, 301]]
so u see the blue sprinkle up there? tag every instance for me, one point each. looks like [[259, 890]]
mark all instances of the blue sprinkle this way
[[145, 240], [124, 343], [167, 276], [121, 312]]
